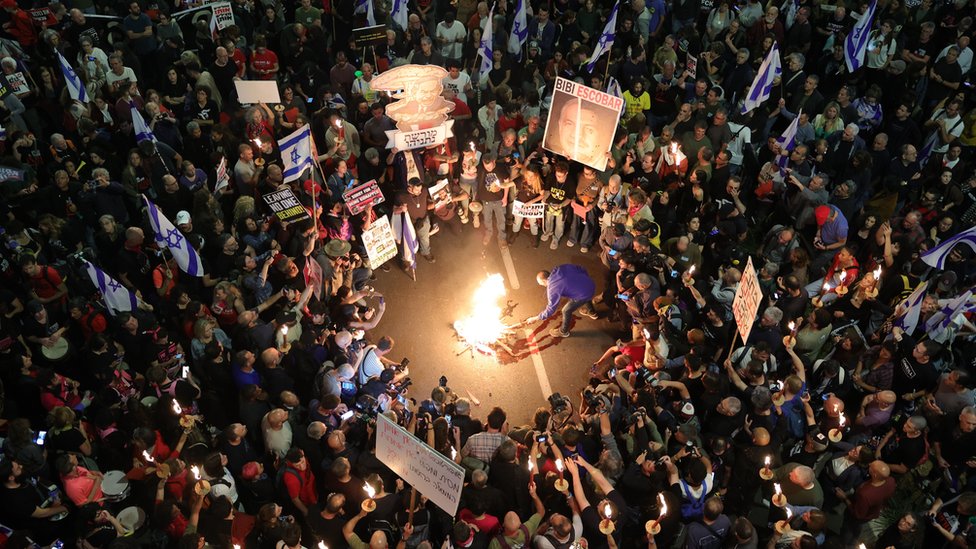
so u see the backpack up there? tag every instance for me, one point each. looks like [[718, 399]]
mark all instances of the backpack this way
[[281, 489], [390, 529], [692, 509], [500, 538]]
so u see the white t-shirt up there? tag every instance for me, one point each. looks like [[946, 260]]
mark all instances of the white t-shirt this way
[[452, 49], [954, 127], [738, 142], [127, 74], [371, 367], [458, 84]]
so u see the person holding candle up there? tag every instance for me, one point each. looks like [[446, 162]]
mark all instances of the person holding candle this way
[[516, 533]]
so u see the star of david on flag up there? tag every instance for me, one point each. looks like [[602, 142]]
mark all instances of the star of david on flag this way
[[117, 297], [520, 31], [606, 39], [169, 236], [296, 153]]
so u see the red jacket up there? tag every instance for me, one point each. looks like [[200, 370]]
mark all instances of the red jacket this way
[[21, 27]]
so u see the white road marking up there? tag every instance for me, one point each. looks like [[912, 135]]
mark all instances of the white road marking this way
[[513, 280], [540, 368]]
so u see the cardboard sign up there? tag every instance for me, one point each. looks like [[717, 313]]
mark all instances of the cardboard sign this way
[[10, 174], [223, 179], [257, 91], [40, 15], [369, 36], [380, 243], [223, 15], [426, 469], [529, 211], [359, 198], [18, 82], [581, 123], [691, 65], [746, 302], [419, 139], [286, 206]]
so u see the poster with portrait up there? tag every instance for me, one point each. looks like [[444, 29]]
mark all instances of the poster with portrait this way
[[582, 122]]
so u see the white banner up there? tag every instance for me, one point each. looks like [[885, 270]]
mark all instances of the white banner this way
[[380, 243], [746, 302], [424, 468], [419, 139], [224, 15], [529, 211], [18, 82]]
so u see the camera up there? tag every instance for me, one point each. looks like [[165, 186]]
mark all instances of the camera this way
[[558, 403], [593, 401]]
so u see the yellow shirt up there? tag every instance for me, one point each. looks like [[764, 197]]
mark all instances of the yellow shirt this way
[[635, 105]]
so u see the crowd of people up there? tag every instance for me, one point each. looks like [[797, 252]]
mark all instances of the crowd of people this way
[[238, 408]]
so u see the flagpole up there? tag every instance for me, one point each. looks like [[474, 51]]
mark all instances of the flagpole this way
[[606, 73]]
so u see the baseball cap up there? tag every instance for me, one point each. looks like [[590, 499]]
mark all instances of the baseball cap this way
[[250, 470], [182, 217], [822, 213]]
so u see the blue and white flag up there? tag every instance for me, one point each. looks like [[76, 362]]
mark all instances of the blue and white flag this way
[[762, 85], [399, 14], [606, 39], [937, 326], [911, 308], [787, 142], [76, 88], [789, 9], [296, 153], [370, 15], [485, 49], [938, 255], [856, 43], [142, 130], [613, 88], [520, 31], [405, 235], [167, 235], [117, 297]]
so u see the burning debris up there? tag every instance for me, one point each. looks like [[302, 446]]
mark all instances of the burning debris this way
[[483, 330]]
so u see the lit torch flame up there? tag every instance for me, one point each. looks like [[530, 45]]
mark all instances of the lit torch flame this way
[[284, 330], [826, 287], [691, 270], [484, 326], [607, 511], [842, 419], [453, 453], [472, 146], [766, 462], [877, 276], [789, 514], [258, 143], [322, 545], [176, 408], [664, 506], [370, 492], [779, 491], [559, 465], [196, 472], [843, 276], [530, 465], [792, 327], [146, 457]]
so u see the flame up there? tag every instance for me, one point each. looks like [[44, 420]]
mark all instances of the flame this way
[[826, 287], [843, 276], [779, 491], [257, 142], [559, 465], [146, 457], [196, 472], [453, 453], [789, 514], [877, 276], [691, 270], [767, 457], [664, 506], [236, 546], [176, 408], [674, 148], [284, 330], [472, 146], [792, 327], [842, 419], [338, 123], [484, 326], [322, 545], [530, 465], [370, 492], [607, 511]]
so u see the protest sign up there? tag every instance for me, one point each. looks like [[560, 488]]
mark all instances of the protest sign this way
[[223, 179], [691, 65], [582, 122], [379, 242], [430, 472], [419, 139], [11, 174], [369, 36], [747, 299], [529, 211], [223, 15], [257, 91], [420, 111], [285, 205], [18, 82], [359, 198]]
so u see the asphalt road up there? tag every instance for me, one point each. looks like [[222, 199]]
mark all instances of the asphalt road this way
[[420, 316]]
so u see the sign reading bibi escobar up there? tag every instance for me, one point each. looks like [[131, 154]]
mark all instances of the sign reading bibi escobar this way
[[582, 122], [431, 473]]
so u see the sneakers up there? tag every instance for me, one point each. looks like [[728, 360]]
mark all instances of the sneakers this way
[[545, 237], [584, 249], [430, 258], [554, 245], [589, 314], [570, 244], [558, 332]]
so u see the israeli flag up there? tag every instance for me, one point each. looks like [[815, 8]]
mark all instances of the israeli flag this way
[[938, 255], [296, 153], [613, 88], [912, 309], [938, 325], [370, 16], [762, 85], [139, 126], [399, 14], [76, 88], [405, 235], [856, 43], [606, 39], [167, 235], [485, 49], [787, 142], [117, 297], [520, 31]]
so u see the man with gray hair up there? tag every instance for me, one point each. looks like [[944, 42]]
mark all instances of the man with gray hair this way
[[105, 196], [800, 485]]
